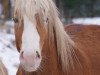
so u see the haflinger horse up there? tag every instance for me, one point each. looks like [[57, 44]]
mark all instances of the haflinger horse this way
[[3, 70], [46, 48]]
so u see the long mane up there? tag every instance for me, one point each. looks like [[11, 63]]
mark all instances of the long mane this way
[[64, 44]]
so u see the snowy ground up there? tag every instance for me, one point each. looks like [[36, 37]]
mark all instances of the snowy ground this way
[[95, 20], [8, 52]]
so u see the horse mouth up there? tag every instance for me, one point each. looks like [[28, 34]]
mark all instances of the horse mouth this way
[[31, 68]]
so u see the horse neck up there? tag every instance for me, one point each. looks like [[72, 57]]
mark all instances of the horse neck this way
[[52, 63]]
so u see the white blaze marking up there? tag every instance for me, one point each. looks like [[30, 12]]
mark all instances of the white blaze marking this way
[[30, 37]]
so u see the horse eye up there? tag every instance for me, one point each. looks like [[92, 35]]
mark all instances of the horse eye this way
[[15, 20], [47, 20]]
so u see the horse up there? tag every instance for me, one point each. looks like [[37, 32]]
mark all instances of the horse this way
[[46, 48], [3, 70]]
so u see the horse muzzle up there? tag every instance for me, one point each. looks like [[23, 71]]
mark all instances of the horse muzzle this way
[[30, 62]]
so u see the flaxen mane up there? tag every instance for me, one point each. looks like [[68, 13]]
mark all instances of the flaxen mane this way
[[47, 9]]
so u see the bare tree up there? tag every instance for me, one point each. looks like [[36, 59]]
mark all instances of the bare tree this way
[[6, 8]]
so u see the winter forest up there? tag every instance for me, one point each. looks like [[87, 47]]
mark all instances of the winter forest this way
[[68, 8]]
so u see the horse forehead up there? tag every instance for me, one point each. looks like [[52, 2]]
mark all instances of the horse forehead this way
[[31, 6], [39, 7]]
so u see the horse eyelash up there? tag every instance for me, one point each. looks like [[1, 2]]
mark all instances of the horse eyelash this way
[[47, 20], [15, 20]]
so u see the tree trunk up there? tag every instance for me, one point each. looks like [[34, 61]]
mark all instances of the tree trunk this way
[[6, 8]]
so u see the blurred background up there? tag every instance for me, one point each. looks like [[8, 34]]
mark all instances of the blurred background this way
[[75, 9], [71, 11]]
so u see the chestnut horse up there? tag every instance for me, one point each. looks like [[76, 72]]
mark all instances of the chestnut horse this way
[[46, 49], [3, 70]]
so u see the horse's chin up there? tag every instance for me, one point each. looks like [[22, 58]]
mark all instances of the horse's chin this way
[[31, 68]]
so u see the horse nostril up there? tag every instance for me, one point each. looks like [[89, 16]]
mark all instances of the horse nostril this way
[[38, 55], [22, 55]]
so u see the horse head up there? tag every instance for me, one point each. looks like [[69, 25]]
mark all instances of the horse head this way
[[35, 20]]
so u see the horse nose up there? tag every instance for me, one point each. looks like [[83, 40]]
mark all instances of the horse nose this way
[[21, 55], [29, 56], [37, 54]]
